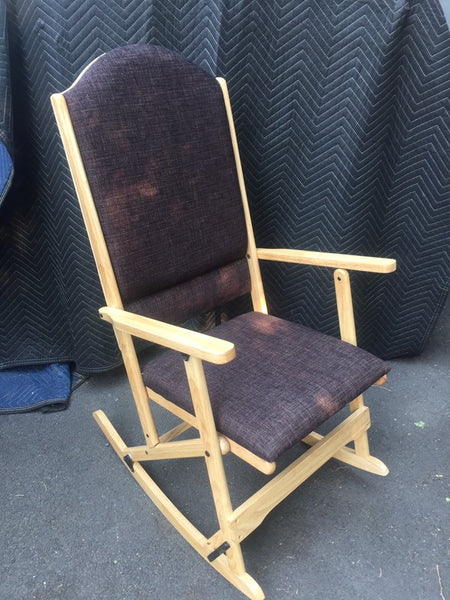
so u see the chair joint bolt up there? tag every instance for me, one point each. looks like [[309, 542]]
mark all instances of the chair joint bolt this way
[[218, 551]]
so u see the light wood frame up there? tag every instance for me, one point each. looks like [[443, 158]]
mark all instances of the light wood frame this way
[[222, 549]]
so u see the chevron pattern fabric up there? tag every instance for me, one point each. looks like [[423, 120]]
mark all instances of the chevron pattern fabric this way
[[45, 387], [342, 113]]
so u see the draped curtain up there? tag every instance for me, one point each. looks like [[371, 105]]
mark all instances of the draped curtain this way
[[342, 114]]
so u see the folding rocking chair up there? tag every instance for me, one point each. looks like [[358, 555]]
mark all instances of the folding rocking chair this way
[[152, 149]]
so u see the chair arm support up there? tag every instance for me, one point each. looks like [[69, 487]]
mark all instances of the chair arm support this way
[[196, 344], [325, 259]]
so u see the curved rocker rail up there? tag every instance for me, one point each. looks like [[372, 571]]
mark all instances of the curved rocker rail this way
[[249, 515]]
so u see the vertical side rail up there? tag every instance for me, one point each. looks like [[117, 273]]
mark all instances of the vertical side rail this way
[[137, 387], [213, 459], [348, 334], [258, 297], [102, 260]]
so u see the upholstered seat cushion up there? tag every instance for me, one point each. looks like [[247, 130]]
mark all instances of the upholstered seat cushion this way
[[285, 381]]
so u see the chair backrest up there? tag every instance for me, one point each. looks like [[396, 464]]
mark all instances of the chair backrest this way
[[154, 138]]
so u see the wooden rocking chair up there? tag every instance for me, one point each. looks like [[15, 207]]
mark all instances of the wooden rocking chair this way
[[152, 149]]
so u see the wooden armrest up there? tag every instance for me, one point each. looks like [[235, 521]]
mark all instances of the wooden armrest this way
[[325, 259], [196, 344]]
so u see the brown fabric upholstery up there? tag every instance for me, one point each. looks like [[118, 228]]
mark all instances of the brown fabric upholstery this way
[[197, 296], [285, 381], [154, 136]]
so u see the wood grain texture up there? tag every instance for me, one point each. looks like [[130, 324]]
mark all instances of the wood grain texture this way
[[176, 338], [325, 259]]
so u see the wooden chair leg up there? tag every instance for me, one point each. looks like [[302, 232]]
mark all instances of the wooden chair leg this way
[[213, 459], [137, 387], [348, 334], [204, 546], [361, 444]]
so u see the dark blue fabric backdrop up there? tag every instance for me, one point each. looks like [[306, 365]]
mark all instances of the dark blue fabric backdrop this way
[[342, 112], [6, 166]]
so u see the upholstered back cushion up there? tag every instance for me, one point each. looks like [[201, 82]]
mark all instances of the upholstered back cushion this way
[[154, 138]]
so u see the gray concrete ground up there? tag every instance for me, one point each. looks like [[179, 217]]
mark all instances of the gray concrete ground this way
[[75, 526]]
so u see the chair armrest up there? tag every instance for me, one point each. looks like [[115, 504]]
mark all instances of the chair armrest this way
[[196, 344], [325, 259]]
